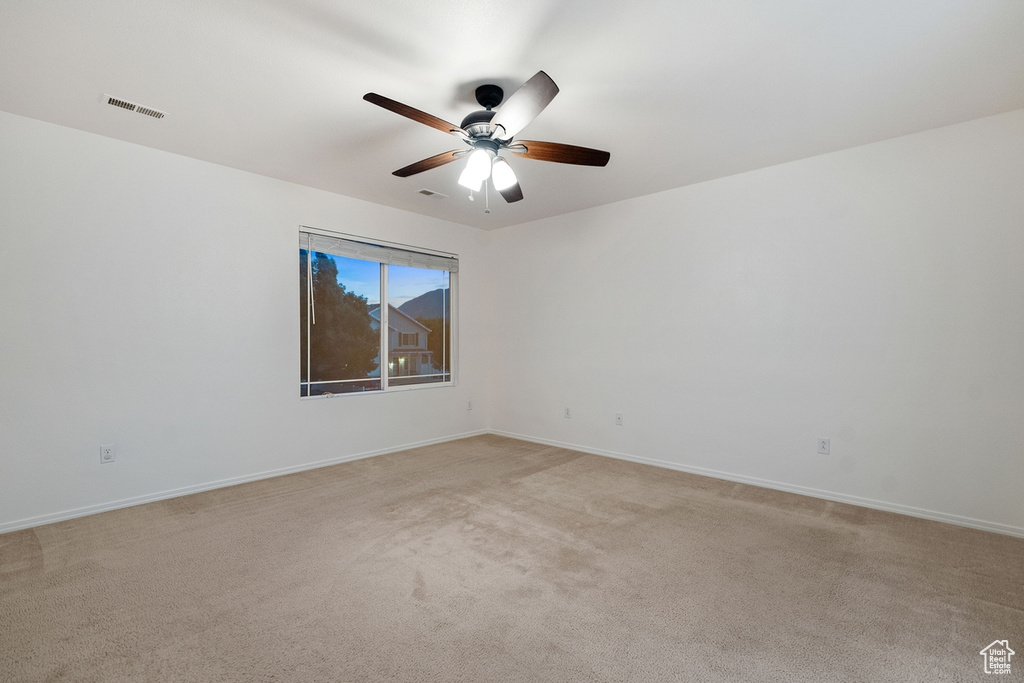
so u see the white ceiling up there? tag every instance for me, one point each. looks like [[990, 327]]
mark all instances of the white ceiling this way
[[679, 91]]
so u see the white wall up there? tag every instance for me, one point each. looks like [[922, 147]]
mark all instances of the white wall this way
[[873, 296], [151, 301]]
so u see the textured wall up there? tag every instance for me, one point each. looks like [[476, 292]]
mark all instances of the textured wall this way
[[151, 301], [871, 296]]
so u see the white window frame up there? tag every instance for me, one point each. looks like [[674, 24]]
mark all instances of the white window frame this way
[[388, 253]]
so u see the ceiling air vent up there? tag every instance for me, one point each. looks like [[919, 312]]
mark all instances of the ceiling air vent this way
[[135, 107], [430, 193], [150, 112]]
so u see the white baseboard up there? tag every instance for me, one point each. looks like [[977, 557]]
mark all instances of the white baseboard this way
[[65, 515], [933, 515], [908, 510]]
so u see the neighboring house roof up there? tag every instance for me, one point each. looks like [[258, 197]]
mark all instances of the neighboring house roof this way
[[375, 314]]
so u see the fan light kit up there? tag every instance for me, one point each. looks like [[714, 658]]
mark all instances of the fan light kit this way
[[488, 132]]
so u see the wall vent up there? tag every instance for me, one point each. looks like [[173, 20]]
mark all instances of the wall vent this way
[[135, 107], [431, 193]]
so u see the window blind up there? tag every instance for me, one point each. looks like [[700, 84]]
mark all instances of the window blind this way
[[379, 253]]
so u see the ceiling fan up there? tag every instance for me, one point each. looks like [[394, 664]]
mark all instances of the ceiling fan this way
[[488, 132]]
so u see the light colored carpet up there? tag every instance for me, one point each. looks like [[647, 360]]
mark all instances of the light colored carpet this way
[[490, 559]]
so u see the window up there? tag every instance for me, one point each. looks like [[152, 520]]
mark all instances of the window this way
[[350, 342]]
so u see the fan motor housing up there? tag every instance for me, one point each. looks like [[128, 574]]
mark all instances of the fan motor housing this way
[[478, 124]]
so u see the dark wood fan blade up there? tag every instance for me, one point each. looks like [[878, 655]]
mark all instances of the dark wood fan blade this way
[[563, 154], [524, 105], [429, 163], [512, 194], [412, 113]]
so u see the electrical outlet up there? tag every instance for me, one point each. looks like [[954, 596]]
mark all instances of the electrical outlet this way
[[566, 413], [618, 419], [823, 446], [106, 452]]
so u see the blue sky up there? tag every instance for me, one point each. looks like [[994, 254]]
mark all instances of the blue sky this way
[[404, 283]]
